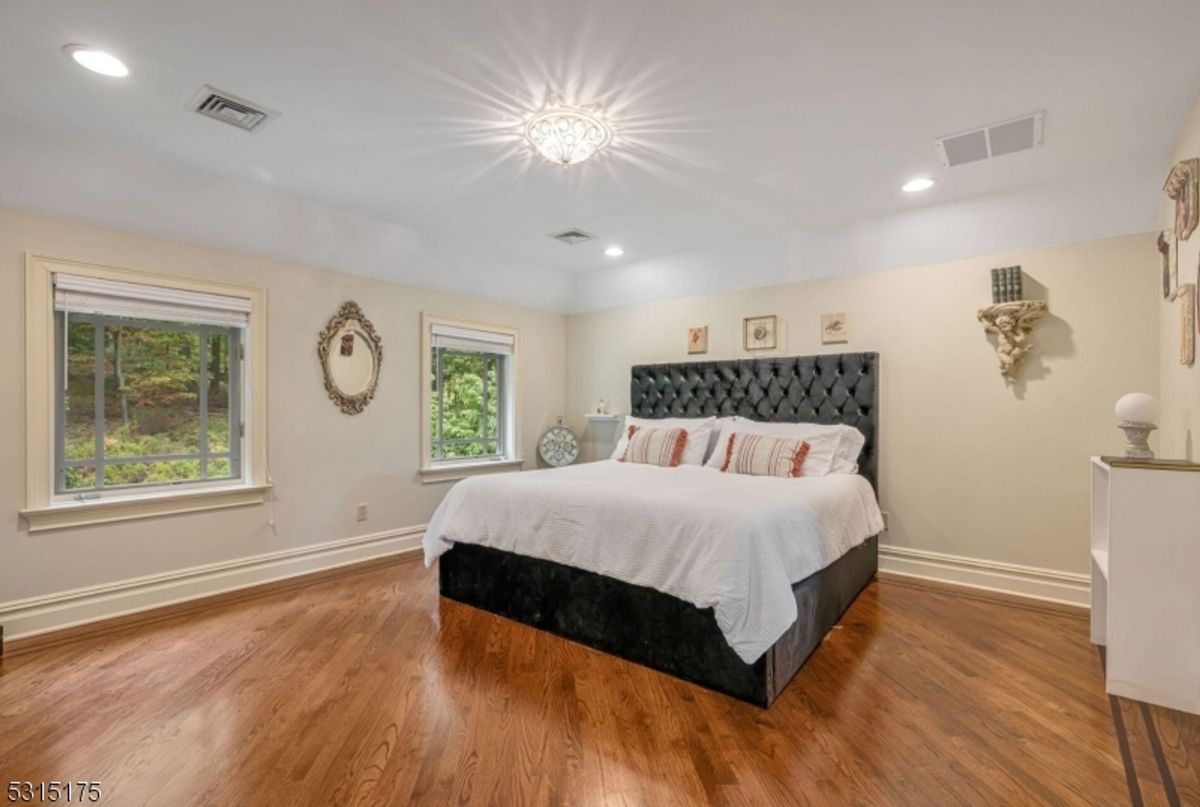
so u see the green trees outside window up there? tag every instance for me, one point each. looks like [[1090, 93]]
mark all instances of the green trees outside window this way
[[468, 405], [144, 402]]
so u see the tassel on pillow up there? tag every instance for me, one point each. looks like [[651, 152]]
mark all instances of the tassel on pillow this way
[[759, 455], [662, 447]]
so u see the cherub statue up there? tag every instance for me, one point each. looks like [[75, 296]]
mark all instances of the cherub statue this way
[[1012, 323]]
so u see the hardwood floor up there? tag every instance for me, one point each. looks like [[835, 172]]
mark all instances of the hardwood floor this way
[[367, 689], [1161, 748]]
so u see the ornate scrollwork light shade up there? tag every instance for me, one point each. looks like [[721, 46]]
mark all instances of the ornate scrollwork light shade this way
[[567, 136]]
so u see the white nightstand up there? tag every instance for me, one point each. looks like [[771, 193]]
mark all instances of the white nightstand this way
[[1146, 579]]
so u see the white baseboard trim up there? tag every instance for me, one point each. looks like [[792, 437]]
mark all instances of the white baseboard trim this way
[[66, 609], [1031, 582]]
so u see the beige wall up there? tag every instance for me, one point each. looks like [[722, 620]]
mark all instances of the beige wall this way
[[1179, 434], [969, 466], [322, 462]]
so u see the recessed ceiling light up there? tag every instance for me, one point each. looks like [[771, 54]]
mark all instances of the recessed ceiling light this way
[[614, 251], [96, 60], [567, 136], [917, 185]]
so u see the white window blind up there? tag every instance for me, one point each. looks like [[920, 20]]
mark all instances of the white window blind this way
[[471, 339], [76, 294]]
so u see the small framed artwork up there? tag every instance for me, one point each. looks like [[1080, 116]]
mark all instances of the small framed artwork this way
[[1187, 324], [1173, 267], [697, 339], [1164, 252], [835, 328], [760, 333], [1182, 186]]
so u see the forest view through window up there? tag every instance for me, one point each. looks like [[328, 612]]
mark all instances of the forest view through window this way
[[145, 402], [469, 405]]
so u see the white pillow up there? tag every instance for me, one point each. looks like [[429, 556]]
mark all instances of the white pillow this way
[[715, 435], [848, 450], [716, 456], [833, 449], [699, 432]]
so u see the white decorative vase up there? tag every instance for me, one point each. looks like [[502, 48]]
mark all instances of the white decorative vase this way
[[1138, 413]]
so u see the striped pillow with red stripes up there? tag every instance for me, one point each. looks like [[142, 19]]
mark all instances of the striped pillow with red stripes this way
[[760, 455], [655, 446]]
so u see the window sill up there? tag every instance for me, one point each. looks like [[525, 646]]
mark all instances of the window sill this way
[[451, 472], [103, 511]]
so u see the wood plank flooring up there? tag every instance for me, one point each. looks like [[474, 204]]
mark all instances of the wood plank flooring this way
[[1162, 752], [366, 688]]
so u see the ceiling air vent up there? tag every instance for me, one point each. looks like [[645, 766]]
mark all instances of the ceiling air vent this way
[[993, 140], [228, 108], [572, 236]]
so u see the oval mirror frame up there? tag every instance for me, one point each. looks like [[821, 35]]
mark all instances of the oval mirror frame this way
[[350, 318]]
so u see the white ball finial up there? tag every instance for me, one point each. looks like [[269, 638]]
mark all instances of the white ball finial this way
[[1137, 412], [1137, 407]]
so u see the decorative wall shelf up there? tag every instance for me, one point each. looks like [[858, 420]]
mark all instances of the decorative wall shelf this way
[[602, 418], [1012, 323]]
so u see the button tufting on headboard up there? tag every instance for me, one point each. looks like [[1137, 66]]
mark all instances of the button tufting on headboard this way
[[832, 388]]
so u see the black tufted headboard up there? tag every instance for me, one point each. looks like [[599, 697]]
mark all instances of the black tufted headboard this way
[[833, 388]]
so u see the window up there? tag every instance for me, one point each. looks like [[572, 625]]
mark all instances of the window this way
[[470, 373], [141, 390], [469, 410], [145, 402]]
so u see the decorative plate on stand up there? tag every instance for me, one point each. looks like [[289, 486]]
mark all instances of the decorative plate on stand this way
[[559, 446]]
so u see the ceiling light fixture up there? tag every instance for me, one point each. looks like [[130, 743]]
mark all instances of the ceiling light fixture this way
[[614, 251], [96, 60], [567, 136], [917, 185]]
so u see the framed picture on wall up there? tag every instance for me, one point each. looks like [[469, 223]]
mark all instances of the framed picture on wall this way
[[1164, 253], [1173, 268], [1187, 324], [835, 328], [697, 339], [1182, 187], [760, 333]]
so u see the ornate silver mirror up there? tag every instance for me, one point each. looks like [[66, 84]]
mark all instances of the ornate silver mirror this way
[[351, 353]]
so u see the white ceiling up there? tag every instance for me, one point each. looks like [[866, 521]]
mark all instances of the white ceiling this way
[[734, 120]]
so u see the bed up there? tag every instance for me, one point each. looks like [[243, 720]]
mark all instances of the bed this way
[[685, 570]]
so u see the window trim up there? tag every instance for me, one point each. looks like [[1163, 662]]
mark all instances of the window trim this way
[[445, 471], [44, 510]]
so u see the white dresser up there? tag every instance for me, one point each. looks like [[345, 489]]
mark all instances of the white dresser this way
[[1146, 581]]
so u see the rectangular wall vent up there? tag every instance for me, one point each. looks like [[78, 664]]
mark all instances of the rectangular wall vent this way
[[993, 140], [572, 236], [228, 108]]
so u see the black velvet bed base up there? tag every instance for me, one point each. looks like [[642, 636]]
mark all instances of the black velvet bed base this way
[[648, 627]]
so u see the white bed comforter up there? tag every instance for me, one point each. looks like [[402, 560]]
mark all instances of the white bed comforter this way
[[732, 543]]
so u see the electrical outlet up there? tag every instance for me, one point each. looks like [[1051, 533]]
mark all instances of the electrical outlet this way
[[360, 512], [886, 521]]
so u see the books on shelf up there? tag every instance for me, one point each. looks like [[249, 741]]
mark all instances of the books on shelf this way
[[1151, 464], [1006, 285]]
